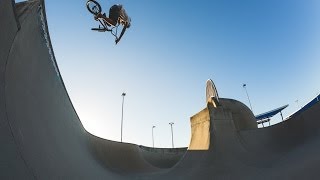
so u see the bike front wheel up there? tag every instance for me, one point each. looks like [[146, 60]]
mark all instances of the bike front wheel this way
[[93, 7]]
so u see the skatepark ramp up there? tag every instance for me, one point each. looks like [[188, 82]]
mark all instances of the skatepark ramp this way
[[41, 135]]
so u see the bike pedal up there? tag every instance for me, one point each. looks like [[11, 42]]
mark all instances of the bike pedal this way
[[98, 29]]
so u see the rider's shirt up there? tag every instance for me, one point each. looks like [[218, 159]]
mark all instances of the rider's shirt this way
[[114, 12]]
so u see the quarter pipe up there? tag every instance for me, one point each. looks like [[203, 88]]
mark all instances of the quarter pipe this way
[[41, 135]]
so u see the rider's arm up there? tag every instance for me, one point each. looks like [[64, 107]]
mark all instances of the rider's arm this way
[[122, 32]]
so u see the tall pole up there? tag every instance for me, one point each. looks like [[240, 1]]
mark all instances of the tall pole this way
[[171, 123], [244, 86], [297, 101], [123, 95], [281, 115], [152, 136]]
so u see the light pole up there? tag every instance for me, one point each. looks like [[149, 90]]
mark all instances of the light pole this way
[[171, 123], [281, 115], [297, 101], [152, 136], [244, 86], [123, 95]]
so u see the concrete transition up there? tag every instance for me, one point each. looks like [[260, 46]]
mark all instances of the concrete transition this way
[[41, 136]]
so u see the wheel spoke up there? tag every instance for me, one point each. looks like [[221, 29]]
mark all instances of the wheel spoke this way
[[95, 9]]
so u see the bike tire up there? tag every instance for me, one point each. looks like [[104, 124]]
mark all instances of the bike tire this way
[[95, 9]]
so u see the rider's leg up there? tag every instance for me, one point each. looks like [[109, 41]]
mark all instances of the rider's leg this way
[[106, 20], [109, 21]]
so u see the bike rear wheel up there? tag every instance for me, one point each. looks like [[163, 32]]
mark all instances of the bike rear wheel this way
[[93, 7]]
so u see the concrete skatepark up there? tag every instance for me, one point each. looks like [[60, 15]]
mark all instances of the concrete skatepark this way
[[42, 136]]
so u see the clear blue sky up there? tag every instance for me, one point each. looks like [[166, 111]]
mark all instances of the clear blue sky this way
[[172, 48]]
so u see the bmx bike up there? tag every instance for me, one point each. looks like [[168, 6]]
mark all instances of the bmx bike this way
[[95, 9]]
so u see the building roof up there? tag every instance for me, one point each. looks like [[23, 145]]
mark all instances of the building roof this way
[[271, 113]]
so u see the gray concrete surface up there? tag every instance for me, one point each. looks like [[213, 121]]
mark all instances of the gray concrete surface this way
[[41, 136], [162, 157]]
